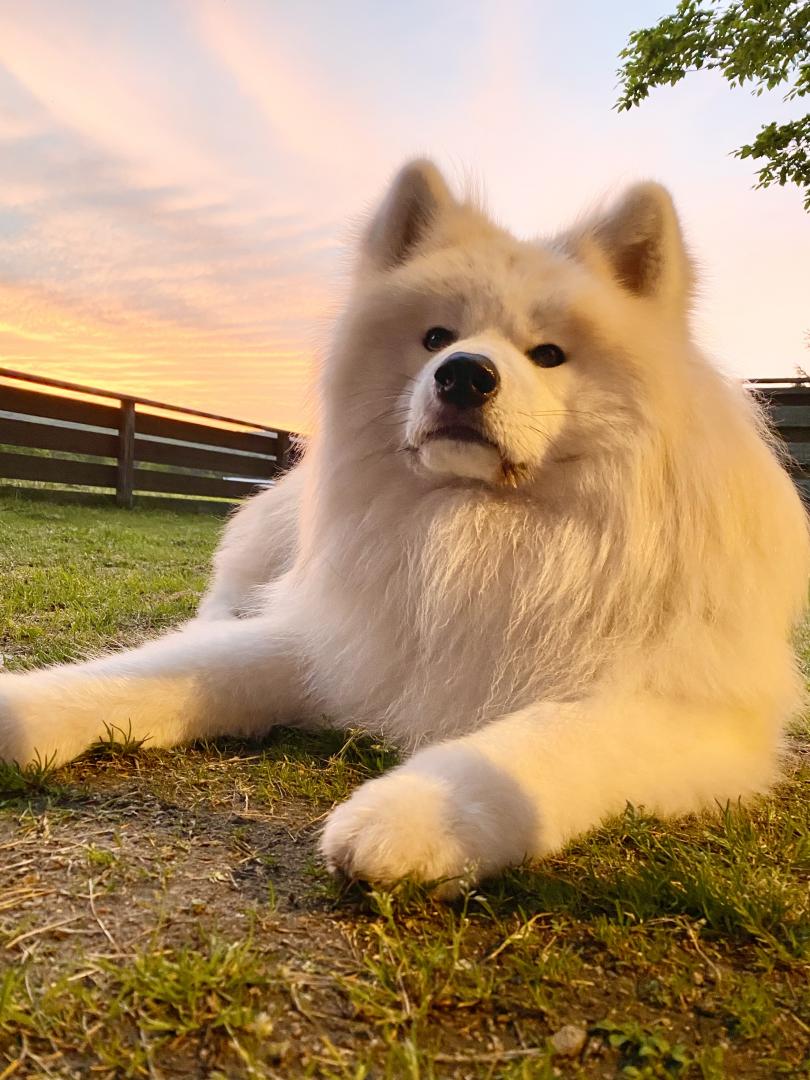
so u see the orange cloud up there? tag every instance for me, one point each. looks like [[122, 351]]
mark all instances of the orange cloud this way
[[46, 335]]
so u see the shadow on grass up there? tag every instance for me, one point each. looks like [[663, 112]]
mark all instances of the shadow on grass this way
[[741, 872]]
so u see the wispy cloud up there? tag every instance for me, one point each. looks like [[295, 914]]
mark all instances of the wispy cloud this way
[[309, 120]]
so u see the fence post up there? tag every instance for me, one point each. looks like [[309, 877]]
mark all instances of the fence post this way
[[282, 451], [125, 480]]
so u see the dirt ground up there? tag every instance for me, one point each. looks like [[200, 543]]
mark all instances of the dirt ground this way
[[164, 914]]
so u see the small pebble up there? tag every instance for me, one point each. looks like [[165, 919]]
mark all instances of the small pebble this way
[[261, 1025], [569, 1040]]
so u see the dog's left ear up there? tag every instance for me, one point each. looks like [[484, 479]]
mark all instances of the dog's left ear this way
[[410, 211], [641, 245]]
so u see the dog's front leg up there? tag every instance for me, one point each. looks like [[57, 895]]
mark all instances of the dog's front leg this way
[[206, 679], [524, 785]]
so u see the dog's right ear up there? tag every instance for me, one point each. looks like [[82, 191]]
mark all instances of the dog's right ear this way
[[414, 203]]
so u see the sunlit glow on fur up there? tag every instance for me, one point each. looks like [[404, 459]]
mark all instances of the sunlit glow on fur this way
[[596, 610]]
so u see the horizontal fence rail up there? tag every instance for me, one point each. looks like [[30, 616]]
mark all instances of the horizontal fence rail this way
[[139, 451], [127, 450]]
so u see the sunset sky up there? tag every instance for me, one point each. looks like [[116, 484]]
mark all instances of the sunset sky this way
[[178, 180]]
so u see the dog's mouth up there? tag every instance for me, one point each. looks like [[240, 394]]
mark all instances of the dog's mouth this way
[[460, 433], [495, 467]]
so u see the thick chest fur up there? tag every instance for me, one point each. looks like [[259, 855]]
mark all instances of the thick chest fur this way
[[431, 630]]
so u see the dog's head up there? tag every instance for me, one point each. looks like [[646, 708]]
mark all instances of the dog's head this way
[[479, 358]]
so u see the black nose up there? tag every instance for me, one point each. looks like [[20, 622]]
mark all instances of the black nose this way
[[466, 380]]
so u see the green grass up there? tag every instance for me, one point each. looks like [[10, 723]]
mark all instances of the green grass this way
[[77, 578], [164, 914]]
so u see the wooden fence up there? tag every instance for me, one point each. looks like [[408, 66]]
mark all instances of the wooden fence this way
[[133, 450], [787, 402], [139, 451]]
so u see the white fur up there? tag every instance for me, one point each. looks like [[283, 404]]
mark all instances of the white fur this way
[[596, 609]]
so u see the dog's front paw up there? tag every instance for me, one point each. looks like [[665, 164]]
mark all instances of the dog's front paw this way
[[448, 816], [401, 825], [15, 743], [30, 728]]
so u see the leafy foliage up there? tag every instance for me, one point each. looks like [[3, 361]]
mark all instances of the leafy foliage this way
[[762, 42]]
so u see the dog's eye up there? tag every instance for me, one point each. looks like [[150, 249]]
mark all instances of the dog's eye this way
[[438, 338], [547, 355]]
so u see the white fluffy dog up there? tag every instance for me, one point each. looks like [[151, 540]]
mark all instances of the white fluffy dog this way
[[536, 535]]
